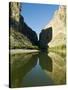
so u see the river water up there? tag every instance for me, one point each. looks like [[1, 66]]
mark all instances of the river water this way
[[37, 69]]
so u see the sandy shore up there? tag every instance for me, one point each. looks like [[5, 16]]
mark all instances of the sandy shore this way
[[17, 51]]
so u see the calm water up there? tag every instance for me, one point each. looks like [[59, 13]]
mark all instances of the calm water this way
[[37, 69]]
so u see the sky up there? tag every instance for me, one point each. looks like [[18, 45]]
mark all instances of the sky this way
[[37, 16]]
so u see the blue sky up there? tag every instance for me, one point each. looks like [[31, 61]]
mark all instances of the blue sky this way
[[37, 15]]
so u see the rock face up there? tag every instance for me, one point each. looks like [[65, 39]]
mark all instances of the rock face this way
[[21, 35], [28, 32], [14, 14], [58, 24], [45, 37]]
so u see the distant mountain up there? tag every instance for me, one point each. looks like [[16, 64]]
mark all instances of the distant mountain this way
[[21, 35]]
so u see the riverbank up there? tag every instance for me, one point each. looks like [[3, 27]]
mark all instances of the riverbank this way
[[17, 51]]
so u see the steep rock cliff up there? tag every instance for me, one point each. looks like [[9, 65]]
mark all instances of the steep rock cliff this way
[[21, 35], [58, 24]]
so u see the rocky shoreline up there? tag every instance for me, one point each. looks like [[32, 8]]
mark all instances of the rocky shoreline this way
[[19, 51]]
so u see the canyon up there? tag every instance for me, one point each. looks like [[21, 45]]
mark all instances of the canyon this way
[[23, 37]]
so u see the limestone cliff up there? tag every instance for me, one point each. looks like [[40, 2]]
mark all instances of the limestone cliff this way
[[58, 24], [21, 35]]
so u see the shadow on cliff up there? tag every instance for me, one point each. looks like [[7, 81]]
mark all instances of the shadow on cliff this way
[[44, 38], [27, 31], [24, 29]]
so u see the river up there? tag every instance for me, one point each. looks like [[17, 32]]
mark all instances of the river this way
[[37, 69]]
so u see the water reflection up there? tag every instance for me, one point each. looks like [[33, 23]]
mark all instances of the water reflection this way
[[58, 73], [21, 65], [45, 63], [37, 69]]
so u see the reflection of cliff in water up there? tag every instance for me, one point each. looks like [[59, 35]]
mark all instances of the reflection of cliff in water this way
[[58, 73], [37, 70], [45, 63], [20, 67]]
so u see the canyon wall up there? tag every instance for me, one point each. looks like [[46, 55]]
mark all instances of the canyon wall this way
[[21, 35], [58, 24]]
